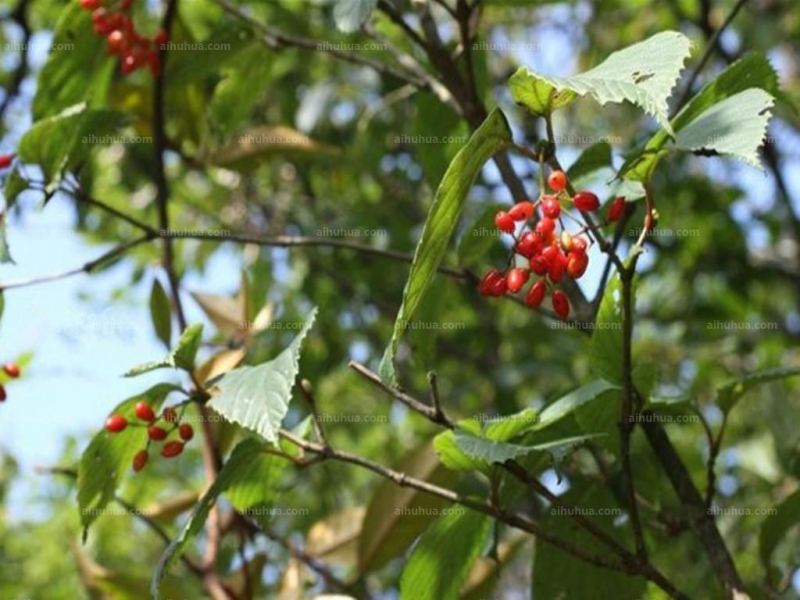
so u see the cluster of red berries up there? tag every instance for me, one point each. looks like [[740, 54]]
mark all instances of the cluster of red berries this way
[[155, 433], [11, 370], [549, 255], [135, 50]]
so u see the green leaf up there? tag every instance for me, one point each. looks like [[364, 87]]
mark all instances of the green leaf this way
[[499, 452], [605, 349], [776, 526], [67, 139], [504, 428], [643, 74], [731, 393], [160, 313], [537, 94], [80, 72], [566, 405], [15, 184], [442, 220], [108, 456], [257, 398], [248, 479], [557, 574], [396, 516], [5, 252], [752, 71], [181, 357], [350, 15], [735, 126], [432, 574], [453, 457]]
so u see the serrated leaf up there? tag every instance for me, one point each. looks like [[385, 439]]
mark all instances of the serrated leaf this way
[[453, 457], [432, 574], [735, 126], [257, 398], [499, 452], [752, 71], [350, 15], [161, 313], [504, 428], [566, 405], [248, 479], [643, 74], [181, 357], [731, 393], [776, 526], [441, 222], [397, 515], [108, 456], [537, 94]]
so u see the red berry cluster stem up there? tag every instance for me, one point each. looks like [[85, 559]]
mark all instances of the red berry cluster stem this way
[[113, 21], [11, 371], [159, 429], [550, 255]]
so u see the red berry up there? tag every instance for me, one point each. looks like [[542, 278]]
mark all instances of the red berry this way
[[156, 433], [169, 415], [140, 460], [558, 265], [101, 22], [90, 4], [186, 432], [616, 210], [550, 207], [143, 411], [171, 449], [3, 394], [561, 305], [504, 222], [521, 211], [545, 227], [116, 423], [576, 264], [116, 42], [579, 244], [153, 64], [6, 160], [516, 278], [539, 265], [566, 241], [11, 369], [536, 294], [488, 281], [161, 38], [499, 287], [126, 5], [557, 181], [586, 201], [529, 245]]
